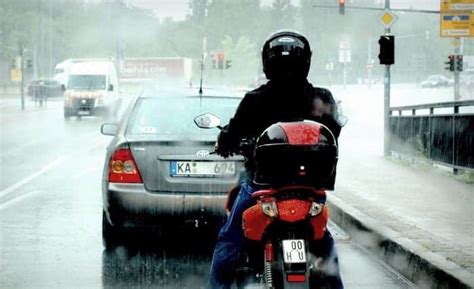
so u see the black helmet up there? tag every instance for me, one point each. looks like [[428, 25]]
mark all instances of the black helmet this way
[[286, 54], [296, 153]]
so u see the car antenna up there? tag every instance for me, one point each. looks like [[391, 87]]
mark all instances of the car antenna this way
[[202, 69]]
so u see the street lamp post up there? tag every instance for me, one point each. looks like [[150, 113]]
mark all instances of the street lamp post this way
[[22, 71], [386, 143]]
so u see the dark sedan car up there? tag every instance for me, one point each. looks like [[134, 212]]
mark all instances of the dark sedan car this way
[[436, 80], [50, 87], [159, 165]]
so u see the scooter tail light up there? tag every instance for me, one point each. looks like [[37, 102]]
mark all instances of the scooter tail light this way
[[270, 209], [293, 210], [122, 167], [296, 278]]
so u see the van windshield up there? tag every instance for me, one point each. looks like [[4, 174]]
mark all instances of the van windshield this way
[[86, 82]]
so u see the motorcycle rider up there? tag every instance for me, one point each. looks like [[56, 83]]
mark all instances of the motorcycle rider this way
[[286, 57]]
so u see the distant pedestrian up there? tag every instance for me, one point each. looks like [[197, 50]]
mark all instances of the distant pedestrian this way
[[40, 94]]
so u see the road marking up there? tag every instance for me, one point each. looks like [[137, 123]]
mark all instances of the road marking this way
[[28, 179], [16, 200], [96, 145], [18, 148]]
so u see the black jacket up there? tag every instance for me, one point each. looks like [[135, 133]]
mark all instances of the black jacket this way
[[271, 103]]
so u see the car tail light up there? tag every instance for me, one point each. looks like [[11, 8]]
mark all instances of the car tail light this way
[[122, 167]]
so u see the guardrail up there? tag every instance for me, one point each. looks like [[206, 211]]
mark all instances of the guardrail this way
[[429, 131]]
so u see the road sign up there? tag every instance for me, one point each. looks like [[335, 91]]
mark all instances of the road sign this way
[[457, 24], [456, 5], [387, 18], [15, 74], [457, 18]]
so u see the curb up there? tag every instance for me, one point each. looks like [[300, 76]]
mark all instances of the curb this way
[[421, 266]]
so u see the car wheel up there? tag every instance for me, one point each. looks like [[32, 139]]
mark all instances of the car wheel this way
[[110, 235]]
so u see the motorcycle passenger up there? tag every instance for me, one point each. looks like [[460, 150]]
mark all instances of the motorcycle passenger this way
[[286, 57]]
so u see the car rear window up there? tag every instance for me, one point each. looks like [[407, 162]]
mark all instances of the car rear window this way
[[175, 116]]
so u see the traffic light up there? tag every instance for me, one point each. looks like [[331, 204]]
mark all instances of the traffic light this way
[[459, 63], [220, 60], [13, 63], [387, 49], [342, 6], [450, 63], [29, 63]]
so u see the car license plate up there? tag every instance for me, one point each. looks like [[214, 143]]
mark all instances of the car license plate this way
[[201, 169], [294, 251], [83, 112]]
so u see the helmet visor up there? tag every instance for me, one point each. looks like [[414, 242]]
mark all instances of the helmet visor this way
[[286, 46], [287, 57]]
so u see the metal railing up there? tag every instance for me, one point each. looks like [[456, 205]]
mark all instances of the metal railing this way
[[444, 137]]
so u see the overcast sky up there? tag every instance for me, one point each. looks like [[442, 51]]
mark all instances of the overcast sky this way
[[177, 9]]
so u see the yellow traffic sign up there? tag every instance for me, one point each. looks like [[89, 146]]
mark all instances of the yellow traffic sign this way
[[457, 24], [457, 18], [456, 5], [387, 18], [15, 74]]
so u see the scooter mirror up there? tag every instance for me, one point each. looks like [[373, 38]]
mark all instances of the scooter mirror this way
[[342, 119], [207, 120]]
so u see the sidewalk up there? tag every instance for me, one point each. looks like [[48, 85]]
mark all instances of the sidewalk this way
[[418, 219], [13, 101]]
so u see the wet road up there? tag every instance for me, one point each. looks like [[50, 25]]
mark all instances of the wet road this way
[[51, 210]]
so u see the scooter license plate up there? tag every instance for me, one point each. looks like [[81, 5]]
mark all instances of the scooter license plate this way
[[294, 251]]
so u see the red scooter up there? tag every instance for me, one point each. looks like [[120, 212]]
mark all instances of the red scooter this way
[[295, 164]]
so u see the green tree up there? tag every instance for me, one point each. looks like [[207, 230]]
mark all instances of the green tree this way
[[283, 15], [244, 63]]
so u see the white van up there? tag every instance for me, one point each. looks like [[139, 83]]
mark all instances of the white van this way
[[92, 89], [61, 71]]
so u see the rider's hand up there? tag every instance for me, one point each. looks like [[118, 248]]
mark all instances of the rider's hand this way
[[226, 143], [332, 124]]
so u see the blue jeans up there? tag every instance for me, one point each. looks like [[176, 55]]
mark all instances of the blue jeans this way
[[231, 237]]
